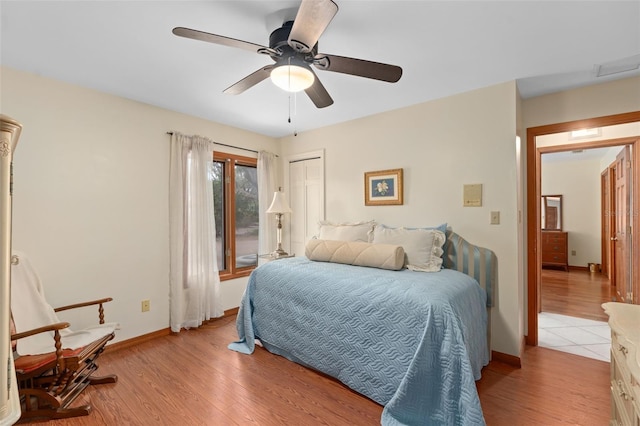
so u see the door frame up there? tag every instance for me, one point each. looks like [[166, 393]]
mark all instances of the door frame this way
[[534, 154]]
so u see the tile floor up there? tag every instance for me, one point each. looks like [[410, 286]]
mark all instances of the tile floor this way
[[578, 336]]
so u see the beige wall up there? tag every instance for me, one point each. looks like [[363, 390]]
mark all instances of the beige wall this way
[[91, 183], [91, 195], [598, 100], [97, 165], [441, 145]]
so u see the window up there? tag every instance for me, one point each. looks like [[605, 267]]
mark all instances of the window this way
[[235, 199]]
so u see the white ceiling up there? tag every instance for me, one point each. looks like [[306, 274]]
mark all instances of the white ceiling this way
[[126, 48]]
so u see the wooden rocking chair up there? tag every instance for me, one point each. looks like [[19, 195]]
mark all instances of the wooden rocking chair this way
[[53, 364]]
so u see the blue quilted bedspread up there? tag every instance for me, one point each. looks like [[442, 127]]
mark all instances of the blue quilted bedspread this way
[[414, 342]]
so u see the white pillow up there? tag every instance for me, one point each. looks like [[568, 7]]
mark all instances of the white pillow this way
[[358, 231], [422, 247]]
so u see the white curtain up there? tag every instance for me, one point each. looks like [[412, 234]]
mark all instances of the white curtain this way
[[194, 279], [267, 185]]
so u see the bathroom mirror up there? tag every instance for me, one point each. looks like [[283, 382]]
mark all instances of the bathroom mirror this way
[[551, 215]]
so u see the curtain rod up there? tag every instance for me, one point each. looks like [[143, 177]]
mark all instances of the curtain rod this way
[[230, 146]]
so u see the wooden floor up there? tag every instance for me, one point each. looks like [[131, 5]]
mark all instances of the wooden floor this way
[[575, 293], [193, 379]]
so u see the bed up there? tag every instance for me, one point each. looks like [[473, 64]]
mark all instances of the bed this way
[[414, 342]]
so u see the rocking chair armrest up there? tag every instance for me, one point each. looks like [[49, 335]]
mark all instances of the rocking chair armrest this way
[[82, 304], [50, 327]]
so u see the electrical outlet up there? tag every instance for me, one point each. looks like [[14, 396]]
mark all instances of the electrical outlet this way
[[495, 218], [573, 252], [146, 305]]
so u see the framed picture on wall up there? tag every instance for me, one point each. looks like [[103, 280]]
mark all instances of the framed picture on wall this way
[[383, 187]]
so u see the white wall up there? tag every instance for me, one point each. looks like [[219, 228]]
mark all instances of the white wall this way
[[90, 204], [91, 195], [578, 181], [441, 145], [598, 100]]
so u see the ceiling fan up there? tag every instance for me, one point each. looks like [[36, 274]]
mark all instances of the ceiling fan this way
[[294, 48]]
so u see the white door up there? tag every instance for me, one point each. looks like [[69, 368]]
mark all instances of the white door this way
[[306, 190]]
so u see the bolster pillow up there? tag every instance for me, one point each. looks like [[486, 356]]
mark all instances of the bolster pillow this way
[[383, 256]]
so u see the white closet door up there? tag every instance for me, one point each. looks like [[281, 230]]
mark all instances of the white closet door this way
[[306, 189]]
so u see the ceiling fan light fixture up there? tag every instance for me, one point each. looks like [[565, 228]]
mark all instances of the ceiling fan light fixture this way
[[292, 78]]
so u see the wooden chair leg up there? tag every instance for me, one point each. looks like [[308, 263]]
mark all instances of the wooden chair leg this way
[[60, 413], [100, 380], [39, 404]]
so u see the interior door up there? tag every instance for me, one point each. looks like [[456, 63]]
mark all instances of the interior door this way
[[605, 229], [622, 234]]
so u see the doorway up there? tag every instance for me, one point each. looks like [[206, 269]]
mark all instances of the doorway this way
[[571, 287], [534, 195]]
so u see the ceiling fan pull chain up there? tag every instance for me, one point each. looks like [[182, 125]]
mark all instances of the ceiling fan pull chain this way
[[289, 68], [295, 113], [289, 71]]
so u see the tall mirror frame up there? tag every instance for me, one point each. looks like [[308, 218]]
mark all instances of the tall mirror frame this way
[[551, 214]]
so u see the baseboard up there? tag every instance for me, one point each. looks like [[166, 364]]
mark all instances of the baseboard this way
[[159, 333], [579, 268], [136, 340], [506, 358], [230, 312]]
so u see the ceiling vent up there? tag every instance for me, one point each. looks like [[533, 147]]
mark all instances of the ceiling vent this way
[[616, 67]]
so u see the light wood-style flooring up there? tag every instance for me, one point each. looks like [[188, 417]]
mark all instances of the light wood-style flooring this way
[[193, 379], [576, 293]]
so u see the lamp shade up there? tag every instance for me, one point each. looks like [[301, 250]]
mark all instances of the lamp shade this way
[[279, 203], [292, 78]]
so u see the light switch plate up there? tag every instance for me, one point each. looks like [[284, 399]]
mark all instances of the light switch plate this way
[[472, 195]]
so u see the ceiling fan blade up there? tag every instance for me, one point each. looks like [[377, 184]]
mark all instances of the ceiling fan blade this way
[[312, 19], [249, 81], [217, 39], [358, 67], [318, 94]]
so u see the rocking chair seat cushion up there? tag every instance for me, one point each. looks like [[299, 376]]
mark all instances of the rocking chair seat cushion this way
[[26, 364]]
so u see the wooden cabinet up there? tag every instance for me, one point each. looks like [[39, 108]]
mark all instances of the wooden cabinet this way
[[554, 249], [625, 363]]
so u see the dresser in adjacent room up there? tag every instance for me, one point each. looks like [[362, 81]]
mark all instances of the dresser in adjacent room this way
[[624, 321], [554, 249]]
